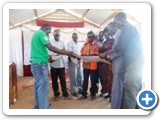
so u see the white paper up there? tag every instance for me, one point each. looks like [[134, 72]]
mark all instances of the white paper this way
[[92, 59], [56, 57]]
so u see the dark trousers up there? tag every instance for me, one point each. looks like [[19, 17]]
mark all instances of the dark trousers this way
[[92, 74], [99, 76], [55, 73]]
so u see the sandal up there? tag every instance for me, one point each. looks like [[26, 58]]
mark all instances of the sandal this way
[[82, 97], [68, 98], [56, 98], [101, 95]]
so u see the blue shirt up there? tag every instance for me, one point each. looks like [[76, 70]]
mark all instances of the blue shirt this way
[[129, 45]]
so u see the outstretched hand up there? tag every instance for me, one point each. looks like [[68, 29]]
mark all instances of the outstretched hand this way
[[103, 55], [68, 53], [50, 60]]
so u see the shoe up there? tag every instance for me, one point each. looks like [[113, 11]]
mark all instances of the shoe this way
[[107, 96], [75, 95], [56, 98], [93, 97], [101, 95], [50, 106], [68, 98], [80, 92], [82, 97]]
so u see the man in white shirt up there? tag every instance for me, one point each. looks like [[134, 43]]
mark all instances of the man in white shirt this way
[[58, 70], [100, 42], [74, 66]]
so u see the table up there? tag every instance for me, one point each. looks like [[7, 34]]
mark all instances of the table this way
[[13, 89]]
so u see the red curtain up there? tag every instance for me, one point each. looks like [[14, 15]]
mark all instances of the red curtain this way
[[60, 24]]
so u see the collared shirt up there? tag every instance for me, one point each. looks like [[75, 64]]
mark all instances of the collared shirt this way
[[60, 62], [89, 49], [99, 42], [129, 45], [73, 47], [39, 51], [116, 37]]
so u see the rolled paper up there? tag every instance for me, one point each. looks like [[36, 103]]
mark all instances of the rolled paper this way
[[91, 59], [56, 57]]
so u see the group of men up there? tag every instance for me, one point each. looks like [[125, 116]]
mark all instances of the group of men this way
[[121, 80], [58, 67]]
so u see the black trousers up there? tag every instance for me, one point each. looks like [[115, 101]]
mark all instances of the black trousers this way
[[93, 88], [55, 74], [99, 76]]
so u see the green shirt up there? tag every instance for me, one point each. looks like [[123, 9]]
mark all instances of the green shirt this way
[[39, 51]]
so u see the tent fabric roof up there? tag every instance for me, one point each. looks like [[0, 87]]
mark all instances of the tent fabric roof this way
[[98, 18]]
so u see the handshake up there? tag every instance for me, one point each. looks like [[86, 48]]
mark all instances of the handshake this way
[[69, 53]]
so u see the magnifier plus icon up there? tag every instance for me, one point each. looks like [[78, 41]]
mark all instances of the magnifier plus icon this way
[[147, 99]]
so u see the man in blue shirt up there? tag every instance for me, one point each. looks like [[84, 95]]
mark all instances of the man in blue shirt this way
[[130, 47]]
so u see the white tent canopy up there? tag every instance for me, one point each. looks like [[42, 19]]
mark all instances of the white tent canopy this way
[[98, 18]]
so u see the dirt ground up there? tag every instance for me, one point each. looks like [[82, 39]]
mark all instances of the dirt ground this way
[[26, 98]]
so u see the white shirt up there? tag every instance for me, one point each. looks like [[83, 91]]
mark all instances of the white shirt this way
[[73, 47], [116, 37], [100, 43], [60, 62]]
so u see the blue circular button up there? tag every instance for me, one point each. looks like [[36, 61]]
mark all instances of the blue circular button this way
[[147, 99]]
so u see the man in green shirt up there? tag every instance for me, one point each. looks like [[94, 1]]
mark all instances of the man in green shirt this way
[[39, 65]]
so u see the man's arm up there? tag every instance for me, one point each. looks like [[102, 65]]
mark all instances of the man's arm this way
[[56, 50]]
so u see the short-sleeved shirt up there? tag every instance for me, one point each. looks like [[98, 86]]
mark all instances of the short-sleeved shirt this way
[[89, 49], [73, 47], [60, 62], [39, 53]]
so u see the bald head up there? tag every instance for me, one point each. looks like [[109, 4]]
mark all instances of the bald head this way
[[120, 19], [46, 28], [75, 37], [120, 15]]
